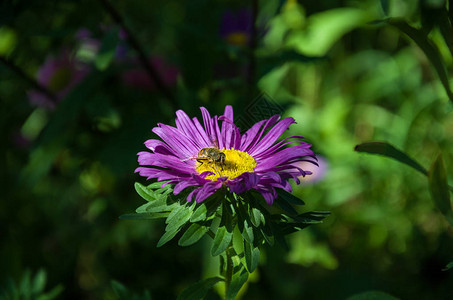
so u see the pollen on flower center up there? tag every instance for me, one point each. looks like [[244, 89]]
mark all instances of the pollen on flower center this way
[[236, 163]]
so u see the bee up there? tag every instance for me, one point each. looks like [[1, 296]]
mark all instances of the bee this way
[[211, 155]]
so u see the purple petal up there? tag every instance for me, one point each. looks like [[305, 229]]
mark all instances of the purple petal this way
[[271, 137]]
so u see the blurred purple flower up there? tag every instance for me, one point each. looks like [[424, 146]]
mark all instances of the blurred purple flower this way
[[319, 171], [236, 27], [59, 74], [254, 160], [138, 78]]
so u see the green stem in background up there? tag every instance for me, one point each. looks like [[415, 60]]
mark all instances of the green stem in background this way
[[132, 40], [229, 267], [36, 85]]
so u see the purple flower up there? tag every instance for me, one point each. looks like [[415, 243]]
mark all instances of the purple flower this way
[[59, 75], [318, 171], [253, 160]]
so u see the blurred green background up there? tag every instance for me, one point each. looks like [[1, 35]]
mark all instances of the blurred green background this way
[[344, 72]]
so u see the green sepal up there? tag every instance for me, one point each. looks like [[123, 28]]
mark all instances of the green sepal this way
[[438, 186], [240, 276], [252, 256], [198, 290], [144, 216], [194, 233]]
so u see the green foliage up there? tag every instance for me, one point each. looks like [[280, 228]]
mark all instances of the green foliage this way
[[30, 287], [124, 293], [438, 186], [372, 295], [388, 150], [199, 289]]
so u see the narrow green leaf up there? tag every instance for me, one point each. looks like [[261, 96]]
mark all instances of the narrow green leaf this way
[[144, 216], [255, 216], [252, 256], [420, 37], [240, 276], [167, 236], [285, 205], [221, 241], [438, 186], [39, 282], [192, 234], [289, 197], [144, 192], [198, 290], [179, 216], [388, 150], [266, 233], [205, 210], [448, 267]]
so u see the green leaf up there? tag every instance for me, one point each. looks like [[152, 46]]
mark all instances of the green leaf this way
[[388, 150], [153, 192], [448, 267], [240, 276], [178, 217], [198, 290], [288, 197], [144, 216], [266, 233], [167, 236], [420, 37], [221, 241], [192, 234], [252, 256], [438, 186], [205, 210], [285, 205], [39, 282], [255, 216], [244, 223]]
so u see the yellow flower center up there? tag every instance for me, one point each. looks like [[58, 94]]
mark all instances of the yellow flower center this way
[[236, 163], [237, 38]]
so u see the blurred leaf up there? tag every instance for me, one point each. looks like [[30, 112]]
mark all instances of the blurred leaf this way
[[448, 267], [240, 276], [252, 256], [325, 28], [244, 222], [276, 60], [429, 48], [8, 40], [124, 294], [385, 4], [107, 51], [388, 150], [192, 235], [437, 179], [372, 295], [144, 216], [198, 290]]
